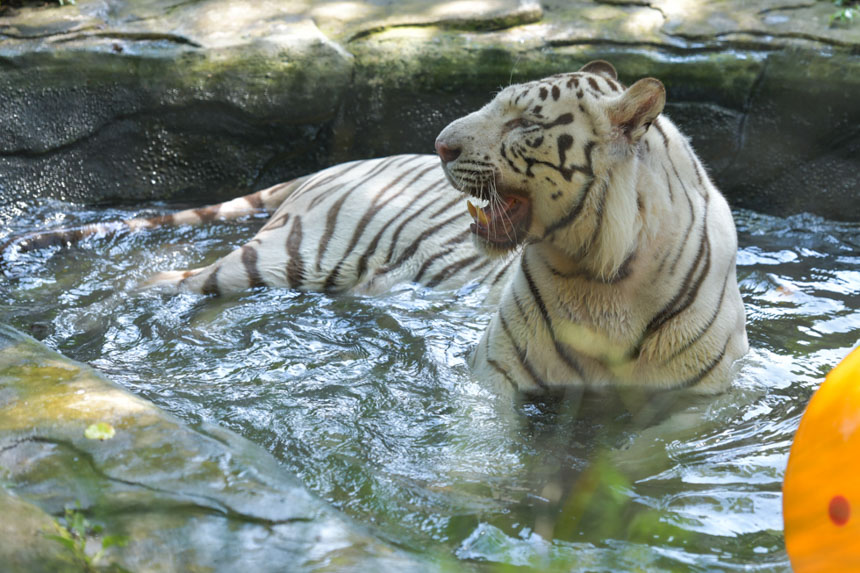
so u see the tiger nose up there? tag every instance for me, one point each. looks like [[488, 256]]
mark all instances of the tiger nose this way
[[447, 152]]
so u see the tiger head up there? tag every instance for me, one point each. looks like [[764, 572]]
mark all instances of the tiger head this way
[[529, 157]]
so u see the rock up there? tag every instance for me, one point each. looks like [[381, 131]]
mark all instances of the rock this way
[[26, 547], [183, 106], [800, 138], [347, 22], [201, 101], [185, 499]]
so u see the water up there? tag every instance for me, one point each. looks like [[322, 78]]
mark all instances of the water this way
[[370, 402]]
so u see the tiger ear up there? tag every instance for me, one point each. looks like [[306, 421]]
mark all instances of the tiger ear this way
[[632, 113], [601, 68]]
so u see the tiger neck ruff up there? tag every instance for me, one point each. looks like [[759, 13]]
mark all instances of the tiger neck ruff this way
[[606, 248]]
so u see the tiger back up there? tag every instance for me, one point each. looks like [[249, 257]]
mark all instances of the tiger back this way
[[362, 226]]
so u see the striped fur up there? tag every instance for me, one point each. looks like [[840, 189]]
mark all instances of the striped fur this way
[[627, 269], [609, 252], [266, 200], [361, 226]]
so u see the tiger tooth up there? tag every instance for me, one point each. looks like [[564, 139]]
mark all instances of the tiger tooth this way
[[482, 217], [473, 211]]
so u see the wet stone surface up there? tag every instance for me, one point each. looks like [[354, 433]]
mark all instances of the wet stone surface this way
[[201, 101], [182, 499]]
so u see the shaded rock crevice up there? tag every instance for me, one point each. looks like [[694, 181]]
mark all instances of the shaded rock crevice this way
[[786, 8], [168, 498], [125, 36], [734, 41], [748, 105], [529, 14], [680, 49], [42, 35]]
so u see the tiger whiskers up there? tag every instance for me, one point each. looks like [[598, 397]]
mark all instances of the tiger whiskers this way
[[496, 204], [481, 184]]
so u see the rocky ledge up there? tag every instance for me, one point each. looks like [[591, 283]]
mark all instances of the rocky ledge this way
[[199, 101], [164, 496]]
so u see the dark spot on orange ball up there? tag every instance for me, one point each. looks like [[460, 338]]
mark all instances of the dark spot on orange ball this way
[[839, 510]]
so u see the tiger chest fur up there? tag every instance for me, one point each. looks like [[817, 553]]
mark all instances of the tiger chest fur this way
[[607, 250]]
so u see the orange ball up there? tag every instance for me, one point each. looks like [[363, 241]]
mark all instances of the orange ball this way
[[821, 491]]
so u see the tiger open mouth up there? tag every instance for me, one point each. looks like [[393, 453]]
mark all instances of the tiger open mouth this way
[[503, 222]]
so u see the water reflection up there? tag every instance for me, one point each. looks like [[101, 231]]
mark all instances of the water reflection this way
[[369, 400]]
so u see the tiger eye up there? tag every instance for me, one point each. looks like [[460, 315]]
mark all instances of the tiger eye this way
[[520, 122]]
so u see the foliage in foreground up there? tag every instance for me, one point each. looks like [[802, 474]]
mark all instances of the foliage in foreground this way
[[848, 10], [73, 535]]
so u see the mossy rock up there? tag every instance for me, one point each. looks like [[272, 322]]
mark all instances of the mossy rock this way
[[183, 499]]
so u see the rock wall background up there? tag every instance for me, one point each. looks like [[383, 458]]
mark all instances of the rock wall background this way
[[201, 101]]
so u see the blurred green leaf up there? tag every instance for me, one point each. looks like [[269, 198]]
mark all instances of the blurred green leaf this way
[[99, 431], [114, 541], [68, 542]]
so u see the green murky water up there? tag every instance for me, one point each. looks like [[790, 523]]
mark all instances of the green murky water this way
[[369, 400]]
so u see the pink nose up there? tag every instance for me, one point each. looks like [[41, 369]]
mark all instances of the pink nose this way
[[446, 152]]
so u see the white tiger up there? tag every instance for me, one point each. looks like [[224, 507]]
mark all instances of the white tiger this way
[[609, 252]]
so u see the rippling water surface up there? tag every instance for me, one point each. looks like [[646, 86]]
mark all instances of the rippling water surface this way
[[369, 400]]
